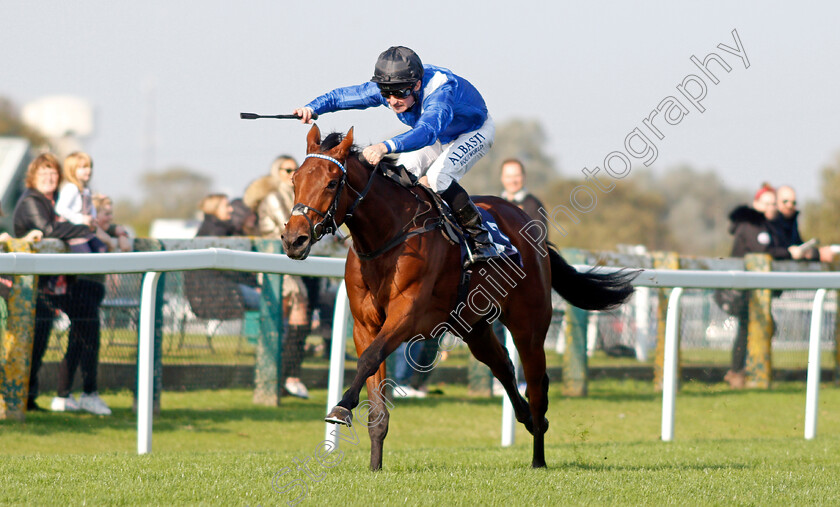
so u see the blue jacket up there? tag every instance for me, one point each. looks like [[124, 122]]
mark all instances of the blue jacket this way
[[446, 107]]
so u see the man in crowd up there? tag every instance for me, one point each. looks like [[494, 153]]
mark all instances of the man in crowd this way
[[513, 182], [786, 226]]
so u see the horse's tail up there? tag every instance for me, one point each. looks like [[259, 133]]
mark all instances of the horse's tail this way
[[590, 290]]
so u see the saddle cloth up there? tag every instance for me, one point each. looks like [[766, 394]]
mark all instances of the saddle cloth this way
[[500, 241]]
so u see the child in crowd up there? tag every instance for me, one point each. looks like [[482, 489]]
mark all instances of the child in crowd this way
[[75, 204]]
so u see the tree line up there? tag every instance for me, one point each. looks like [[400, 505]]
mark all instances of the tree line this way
[[680, 209]]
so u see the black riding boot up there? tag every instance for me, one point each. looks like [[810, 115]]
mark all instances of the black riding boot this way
[[480, 244]]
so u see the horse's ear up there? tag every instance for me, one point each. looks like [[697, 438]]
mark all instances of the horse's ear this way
[[313, 139], [343, 148]]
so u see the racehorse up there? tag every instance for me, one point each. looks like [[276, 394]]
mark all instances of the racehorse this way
[[403, 276]]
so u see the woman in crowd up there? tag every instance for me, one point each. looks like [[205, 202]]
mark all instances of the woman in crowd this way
[[752, 234], [77, 298], [218, 212], [221, 294], [273, 197]]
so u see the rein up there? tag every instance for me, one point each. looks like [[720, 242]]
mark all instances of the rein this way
[[327, 225]]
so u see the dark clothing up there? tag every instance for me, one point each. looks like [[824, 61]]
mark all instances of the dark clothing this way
[[294, 344], [739, 346], [81, 304], [35, 211], [753, 234], [787, 229], [44, 316], [527, 203], [242, 219], [214, 226], [214, 294]]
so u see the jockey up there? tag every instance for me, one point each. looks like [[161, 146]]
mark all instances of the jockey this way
[[450, 130]]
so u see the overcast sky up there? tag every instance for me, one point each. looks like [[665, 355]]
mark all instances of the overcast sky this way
[[589, 71]]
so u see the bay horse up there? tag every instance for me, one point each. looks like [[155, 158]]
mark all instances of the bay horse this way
[[402, 280]]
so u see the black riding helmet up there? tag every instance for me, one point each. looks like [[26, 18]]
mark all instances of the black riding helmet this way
[[396, 68]]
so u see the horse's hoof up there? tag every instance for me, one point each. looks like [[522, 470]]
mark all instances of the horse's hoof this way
[[340, 415]]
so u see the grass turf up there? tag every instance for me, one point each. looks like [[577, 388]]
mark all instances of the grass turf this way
[[217, 448]]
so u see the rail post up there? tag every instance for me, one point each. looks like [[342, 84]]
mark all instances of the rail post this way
[[663, 260], [759, 369], [814, 369], [341, 314], [154, 245], [16, 344], [268, 371], [575, 360], [146, 361], [670, 380]]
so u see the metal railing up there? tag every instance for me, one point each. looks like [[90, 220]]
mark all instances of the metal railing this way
[[153, 263]]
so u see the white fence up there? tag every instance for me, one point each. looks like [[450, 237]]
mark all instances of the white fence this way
[[153, 263]]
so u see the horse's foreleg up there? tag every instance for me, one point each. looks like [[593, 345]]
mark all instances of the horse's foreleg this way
[[369, 362], [377, 416]]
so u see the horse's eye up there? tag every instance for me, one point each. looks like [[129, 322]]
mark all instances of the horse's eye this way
[[331, 185]]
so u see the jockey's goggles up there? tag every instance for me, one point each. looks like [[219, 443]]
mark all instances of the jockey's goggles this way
[[400, 93]]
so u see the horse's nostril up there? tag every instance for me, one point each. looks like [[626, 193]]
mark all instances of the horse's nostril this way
[[300, 241]]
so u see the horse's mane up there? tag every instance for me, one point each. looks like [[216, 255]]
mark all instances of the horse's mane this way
[[334, 139], [389, 167]]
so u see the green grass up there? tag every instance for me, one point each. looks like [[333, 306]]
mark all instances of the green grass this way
[[120, 346], [217, 448]]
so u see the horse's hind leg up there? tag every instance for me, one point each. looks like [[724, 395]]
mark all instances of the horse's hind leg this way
[[533, 363], [486, 348]]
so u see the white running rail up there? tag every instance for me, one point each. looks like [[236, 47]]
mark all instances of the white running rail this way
[[153, 263]]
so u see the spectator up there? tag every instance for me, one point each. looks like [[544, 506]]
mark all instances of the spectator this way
[[75, 204], [406, 374], [75, 201], [217, 212], [104, 221], [513, 182], [35, 210], [243, 219], [752, 234], [273, 198], [787, 227]]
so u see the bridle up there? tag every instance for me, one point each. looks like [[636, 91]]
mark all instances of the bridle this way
[[327, 225]]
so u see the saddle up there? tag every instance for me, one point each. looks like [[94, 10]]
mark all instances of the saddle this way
[[449, 225], [400, 175]]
